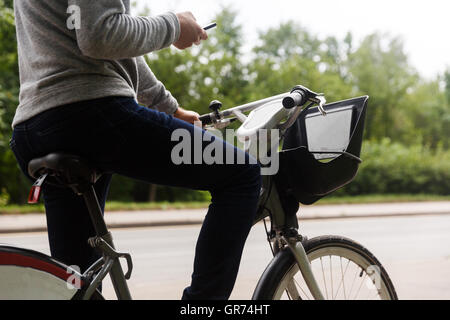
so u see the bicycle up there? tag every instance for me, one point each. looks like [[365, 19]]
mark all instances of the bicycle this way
[[311, 166]]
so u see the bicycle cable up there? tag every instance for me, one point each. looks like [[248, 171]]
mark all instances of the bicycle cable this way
[[268, 234]]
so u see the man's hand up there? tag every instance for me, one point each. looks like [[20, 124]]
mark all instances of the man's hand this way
[[190, 33], [188, 116]]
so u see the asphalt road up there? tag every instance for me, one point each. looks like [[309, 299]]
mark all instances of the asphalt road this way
[[414, 250]]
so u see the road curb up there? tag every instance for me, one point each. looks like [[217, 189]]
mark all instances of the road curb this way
[[153, 219]]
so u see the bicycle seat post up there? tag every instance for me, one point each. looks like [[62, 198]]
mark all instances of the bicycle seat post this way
[[96, 214]]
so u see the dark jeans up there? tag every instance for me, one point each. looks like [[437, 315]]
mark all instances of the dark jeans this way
[[118, 135]]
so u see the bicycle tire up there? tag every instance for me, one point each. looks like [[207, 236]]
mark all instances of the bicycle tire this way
[[284, 267], [30, 275]]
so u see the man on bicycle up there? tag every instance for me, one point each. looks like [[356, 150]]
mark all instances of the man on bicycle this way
[[82, 76]]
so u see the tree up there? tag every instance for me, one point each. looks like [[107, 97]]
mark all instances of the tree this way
[[289, 39], [12, 181], [380, 69], [289, 55], [447, 85], [426, 115]]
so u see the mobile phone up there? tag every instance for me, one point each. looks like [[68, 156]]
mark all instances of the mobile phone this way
[[210, 26]]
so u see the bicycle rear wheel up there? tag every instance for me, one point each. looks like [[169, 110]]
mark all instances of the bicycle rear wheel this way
[[344, 270], [30, 275]]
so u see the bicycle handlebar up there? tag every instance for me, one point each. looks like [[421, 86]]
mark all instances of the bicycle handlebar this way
[[298, 97], [295, 99], [206, 119]]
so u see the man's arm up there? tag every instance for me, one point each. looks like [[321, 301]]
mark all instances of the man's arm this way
[[107, 32], [151, 92]]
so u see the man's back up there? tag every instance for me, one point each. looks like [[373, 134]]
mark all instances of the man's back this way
[[70, 51]]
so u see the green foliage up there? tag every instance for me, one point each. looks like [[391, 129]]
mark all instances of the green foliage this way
[[287, 40], [447, 86], [12, 182], [408, 124], [394, 168], [290, 54], [127, 190], [426, 116], [380, 68]]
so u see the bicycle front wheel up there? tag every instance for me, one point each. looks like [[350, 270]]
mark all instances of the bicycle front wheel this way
[[344, 270]]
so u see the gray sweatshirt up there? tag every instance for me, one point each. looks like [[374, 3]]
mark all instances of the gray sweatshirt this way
[[76, 50]]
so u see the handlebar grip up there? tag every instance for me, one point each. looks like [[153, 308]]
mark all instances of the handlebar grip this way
[[295, 99], [206, 119]]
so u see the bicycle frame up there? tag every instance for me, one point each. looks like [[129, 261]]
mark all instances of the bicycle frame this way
[[109, 263]]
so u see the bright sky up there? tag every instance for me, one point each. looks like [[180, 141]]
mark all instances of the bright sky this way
[[424, 25]]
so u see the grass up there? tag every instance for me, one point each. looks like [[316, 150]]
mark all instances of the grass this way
[[132, 206], [110, 206], [383, 198]]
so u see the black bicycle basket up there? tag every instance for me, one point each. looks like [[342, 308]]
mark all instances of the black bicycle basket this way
[[321, 153]]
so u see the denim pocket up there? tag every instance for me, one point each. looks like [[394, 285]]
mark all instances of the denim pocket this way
[[53, 125], [52, 129]]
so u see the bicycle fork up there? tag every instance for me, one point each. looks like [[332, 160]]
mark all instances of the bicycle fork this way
[[287, 235], [304, 265]]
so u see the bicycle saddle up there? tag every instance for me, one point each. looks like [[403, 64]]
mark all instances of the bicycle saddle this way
[[66, 169]]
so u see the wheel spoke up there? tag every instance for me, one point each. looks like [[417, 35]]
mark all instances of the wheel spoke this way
[[342, 278], [304, 292], [360, 286], [353, 282]]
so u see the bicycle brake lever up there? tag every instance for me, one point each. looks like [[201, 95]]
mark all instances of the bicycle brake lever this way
[[321, 101], [317, 98]]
